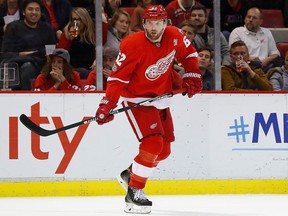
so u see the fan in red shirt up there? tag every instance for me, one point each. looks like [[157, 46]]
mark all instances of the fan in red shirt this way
[[180, 10], [109, 58], [57, 74], [144, 70]]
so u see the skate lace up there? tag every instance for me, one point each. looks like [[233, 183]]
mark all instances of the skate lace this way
[[139, 194]]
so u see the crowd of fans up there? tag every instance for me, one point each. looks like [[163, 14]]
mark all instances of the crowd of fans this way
[[249, 56]]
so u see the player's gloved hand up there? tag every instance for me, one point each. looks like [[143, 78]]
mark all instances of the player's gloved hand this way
[[192, 82], [103, 112]]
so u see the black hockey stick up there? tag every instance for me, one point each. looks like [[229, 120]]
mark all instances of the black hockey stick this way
[[43, 132]]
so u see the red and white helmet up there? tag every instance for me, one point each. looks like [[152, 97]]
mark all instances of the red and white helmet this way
[[154, 22], [155, 12]]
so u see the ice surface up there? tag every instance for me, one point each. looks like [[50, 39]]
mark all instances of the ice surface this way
[[194, 205]]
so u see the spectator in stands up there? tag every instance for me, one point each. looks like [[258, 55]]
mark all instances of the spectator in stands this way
[[109, 58], [232, 14], [119, 28], [259, 40], [10, 10], [204, 60], [81, 46], [137, 16], [57, 74], [24, 42], [239, 75], [179, 10], [190, 28], [58, 13], [205, 34], [278, 76]]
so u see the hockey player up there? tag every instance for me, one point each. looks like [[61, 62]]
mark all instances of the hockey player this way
[[143, 70]]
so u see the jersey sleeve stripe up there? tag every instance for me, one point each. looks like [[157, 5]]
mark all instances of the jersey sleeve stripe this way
[[117, 79], [195, 54]]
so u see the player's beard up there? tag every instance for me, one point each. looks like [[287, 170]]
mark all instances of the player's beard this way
[[199, 25], [251, 27], [153, 36]]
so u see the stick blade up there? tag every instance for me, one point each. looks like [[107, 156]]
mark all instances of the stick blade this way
[[33, 127]]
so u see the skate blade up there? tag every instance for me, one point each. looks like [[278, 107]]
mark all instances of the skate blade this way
[[135, 209], [122, 182]]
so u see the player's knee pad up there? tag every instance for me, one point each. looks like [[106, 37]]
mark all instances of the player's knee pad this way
[[166, 151], [149, 150], [152, 144]]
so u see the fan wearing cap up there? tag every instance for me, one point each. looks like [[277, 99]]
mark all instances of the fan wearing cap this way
[[143, 69], [109, 58], [57, 74]]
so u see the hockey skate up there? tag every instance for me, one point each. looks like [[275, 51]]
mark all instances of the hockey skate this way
[[137, 202], [124, 178]]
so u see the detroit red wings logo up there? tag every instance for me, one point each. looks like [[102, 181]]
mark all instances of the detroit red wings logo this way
[[154, 71]]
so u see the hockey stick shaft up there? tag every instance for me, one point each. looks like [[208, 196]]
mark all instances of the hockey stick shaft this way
[[43, 132]]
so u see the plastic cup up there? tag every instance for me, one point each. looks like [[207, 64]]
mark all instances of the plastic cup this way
[[49, 48]]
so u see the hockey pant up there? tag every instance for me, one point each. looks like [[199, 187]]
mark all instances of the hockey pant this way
[[154, 130]]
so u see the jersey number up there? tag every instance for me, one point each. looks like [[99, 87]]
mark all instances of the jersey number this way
[[186, 41], [121, 57]]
